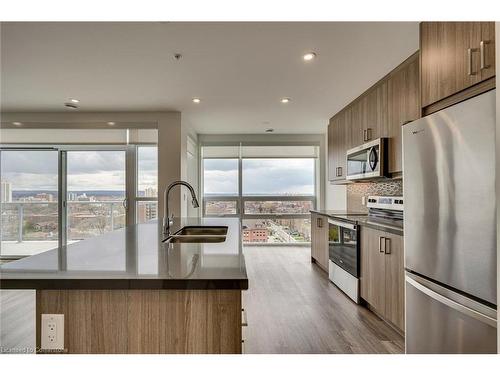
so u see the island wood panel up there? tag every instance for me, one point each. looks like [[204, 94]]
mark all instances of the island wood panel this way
[[146, 321]]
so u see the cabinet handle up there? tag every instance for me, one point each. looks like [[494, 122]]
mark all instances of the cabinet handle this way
[[469, 61], [319, 222], [387, 249], [380, 239], [368, 134], [483, 55]]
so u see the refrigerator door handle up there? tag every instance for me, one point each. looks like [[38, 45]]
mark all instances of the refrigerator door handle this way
[[452, 304]]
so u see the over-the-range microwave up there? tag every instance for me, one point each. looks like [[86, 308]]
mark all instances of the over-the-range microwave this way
[[368, 161]]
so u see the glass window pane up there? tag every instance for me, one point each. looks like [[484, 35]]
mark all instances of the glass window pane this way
[[278, 176], [96, 190], [147, 171], [215, 208], [146, 211], [277, 230], [220, 177], [277, 207], [29, 194]]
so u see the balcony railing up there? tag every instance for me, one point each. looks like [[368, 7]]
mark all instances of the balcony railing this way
[[38, 221]]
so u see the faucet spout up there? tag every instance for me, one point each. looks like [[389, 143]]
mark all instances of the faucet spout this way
[[167, 220]]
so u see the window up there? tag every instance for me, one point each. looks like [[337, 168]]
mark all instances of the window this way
[[278, 189], [147, 184], [220, 177], [29, 202], [220, 186], [278, 176], [96, 193]]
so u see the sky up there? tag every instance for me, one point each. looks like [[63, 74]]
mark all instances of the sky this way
[[260, 176], [105, 170], [87, 170]]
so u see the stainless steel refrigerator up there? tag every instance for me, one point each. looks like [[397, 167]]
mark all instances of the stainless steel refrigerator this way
[[450, 229]]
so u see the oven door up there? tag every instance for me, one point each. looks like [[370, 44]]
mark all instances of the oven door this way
[[343, 246], [366, 161]]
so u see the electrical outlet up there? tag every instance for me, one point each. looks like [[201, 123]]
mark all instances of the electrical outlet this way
[[53, 331]]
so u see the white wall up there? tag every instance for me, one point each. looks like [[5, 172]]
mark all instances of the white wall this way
[[189, 168], [335, 195]]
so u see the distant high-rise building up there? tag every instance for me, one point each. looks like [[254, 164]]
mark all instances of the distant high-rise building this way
[[44, 197], [146, 211], [72, 196], [150, 192], [6, 191]]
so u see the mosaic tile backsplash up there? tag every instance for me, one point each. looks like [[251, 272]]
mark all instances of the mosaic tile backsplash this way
[[359, 189]]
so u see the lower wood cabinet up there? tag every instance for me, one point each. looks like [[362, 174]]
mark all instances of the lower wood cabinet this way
[[382, 274], [319, 240]]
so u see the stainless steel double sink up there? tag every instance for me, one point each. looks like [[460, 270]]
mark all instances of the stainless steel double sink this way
[[198, 234]]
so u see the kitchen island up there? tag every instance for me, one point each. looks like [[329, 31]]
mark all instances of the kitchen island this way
[[129, 291]]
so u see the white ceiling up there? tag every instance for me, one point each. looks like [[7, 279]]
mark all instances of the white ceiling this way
[[240, 70]]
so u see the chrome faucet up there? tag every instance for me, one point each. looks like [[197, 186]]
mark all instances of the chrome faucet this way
[[167, 220]]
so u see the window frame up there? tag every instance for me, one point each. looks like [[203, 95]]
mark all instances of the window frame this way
[[135, 198]]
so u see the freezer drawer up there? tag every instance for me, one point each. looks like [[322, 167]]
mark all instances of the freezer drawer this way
[[439, 320]]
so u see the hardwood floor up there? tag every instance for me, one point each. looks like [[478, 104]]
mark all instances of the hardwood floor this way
[[292, 307]]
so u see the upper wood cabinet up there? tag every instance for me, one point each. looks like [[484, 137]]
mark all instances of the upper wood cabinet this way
[[369, 115], [403, 106], [379, 112], [382, 274], [338, 141], [454, 57], [358, 121]]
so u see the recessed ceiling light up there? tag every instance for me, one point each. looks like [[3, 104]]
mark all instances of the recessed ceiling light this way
[[309, 56], [74, 101], [285, 100], [111, 123], [17, 123], [196, 100], [269, 130]]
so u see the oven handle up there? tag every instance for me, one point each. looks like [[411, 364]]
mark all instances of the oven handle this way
[[342, 224]]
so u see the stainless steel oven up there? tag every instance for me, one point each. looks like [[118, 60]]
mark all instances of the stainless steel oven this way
[[368, 160], [343, 249]]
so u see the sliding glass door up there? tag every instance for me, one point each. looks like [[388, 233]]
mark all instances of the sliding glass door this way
[[54, 196], [29, 201], [96, 193]]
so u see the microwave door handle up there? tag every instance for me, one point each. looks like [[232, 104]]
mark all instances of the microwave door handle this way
[[372, 163]]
